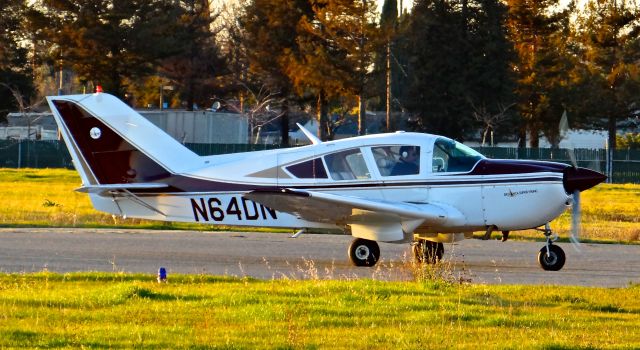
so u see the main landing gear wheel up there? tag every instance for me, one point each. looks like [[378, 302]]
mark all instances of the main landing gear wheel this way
[[554, 261], [428, 252], [364, 252]]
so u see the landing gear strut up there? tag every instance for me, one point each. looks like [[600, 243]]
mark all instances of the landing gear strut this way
[[551, 257], [427, 252]]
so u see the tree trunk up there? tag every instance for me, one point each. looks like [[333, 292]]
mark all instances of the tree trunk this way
[[284, 124], [323, 116], [611, 126], [522, 135], [362, 114], [534, 138]]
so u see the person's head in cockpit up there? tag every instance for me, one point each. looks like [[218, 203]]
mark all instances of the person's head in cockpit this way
[[408, 161]]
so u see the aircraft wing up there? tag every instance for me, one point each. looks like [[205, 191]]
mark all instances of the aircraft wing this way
[[368, 214]]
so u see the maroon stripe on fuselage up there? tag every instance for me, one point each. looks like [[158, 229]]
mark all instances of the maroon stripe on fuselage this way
[[183, 184], [508, 166]]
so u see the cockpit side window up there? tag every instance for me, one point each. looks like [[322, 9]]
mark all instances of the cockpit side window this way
[[397, 160], [347, 165], [311, 169], [452, 156]]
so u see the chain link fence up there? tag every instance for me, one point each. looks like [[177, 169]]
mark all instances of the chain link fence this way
[[625, 166]]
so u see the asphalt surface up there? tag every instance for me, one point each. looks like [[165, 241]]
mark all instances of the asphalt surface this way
[[275, 255]]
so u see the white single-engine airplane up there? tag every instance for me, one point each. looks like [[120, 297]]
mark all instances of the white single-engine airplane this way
[[398, 187]]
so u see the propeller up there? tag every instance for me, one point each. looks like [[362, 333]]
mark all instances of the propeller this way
[[575, 208]]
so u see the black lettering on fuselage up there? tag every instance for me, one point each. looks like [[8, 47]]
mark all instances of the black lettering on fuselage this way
[[249, 216], [199, 209], [267, 209], [213, 208], [216, 213]]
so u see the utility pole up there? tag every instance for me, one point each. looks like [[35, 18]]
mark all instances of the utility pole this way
[[362, 113], [388, 86]]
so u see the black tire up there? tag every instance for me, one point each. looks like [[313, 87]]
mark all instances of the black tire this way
[[555, 261], [364, 252], [428, 252]]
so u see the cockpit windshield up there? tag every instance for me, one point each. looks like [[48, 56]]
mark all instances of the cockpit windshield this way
[[452, 156]]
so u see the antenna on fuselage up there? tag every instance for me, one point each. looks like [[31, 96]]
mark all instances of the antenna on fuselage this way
[[314, 140]]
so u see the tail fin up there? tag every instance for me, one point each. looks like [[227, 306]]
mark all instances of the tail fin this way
[[110, 143]]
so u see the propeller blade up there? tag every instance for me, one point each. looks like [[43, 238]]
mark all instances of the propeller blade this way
[[572, 156], [575, 221], [563, 131]]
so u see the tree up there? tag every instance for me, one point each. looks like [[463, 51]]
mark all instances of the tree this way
[[609, 33], [538, 30], [385, 72], [15, 70], [335, 52], [269, 34], [195, 59], [458, 57], [110, 43]]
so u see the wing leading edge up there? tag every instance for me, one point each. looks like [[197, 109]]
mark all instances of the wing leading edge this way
[[377, 220]]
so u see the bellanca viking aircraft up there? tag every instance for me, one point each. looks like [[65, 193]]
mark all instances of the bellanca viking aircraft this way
[[398, 187]]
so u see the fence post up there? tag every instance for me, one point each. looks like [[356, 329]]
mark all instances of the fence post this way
[[19, 154]]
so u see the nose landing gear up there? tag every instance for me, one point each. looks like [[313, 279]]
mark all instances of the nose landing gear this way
[[551, 257]]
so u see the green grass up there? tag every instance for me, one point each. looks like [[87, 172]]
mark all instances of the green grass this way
[[96, 310], [46, 198]]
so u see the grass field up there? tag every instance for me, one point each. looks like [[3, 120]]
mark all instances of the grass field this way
[[126, 311], [45, 197]]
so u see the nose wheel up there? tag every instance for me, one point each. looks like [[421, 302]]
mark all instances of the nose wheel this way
[[551, 257]]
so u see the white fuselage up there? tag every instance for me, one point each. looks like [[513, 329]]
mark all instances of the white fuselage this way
[[505, 201]]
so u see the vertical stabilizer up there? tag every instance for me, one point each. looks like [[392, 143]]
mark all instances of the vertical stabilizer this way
[[110, 143]]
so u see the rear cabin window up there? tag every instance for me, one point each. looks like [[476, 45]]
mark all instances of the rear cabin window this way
[[397, 160], [347, 165], [311, 169], [452, 156]]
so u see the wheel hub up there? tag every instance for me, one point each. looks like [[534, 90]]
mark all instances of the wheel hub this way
[[551, 258], [362, 252]]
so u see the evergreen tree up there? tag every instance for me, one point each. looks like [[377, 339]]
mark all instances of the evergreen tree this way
[[458, 59], [195, 59], [335, 52], [609, 33], [114, 42], [15, 72], [385, 72], [537, 29], [270, 34]]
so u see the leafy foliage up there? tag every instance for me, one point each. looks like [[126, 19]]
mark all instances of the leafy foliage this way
[[609, 33], [15, 73], [629, 141], [458, 57], [110, 42]]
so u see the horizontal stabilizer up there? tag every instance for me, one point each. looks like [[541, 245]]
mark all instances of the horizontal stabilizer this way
[[101, 189]]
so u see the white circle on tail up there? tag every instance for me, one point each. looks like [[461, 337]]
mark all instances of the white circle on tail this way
[[95, 133]]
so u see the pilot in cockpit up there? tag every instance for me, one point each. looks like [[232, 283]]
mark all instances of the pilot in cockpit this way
[[408, 163]]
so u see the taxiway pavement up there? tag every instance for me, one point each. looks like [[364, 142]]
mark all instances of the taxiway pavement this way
[[275, 255]]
